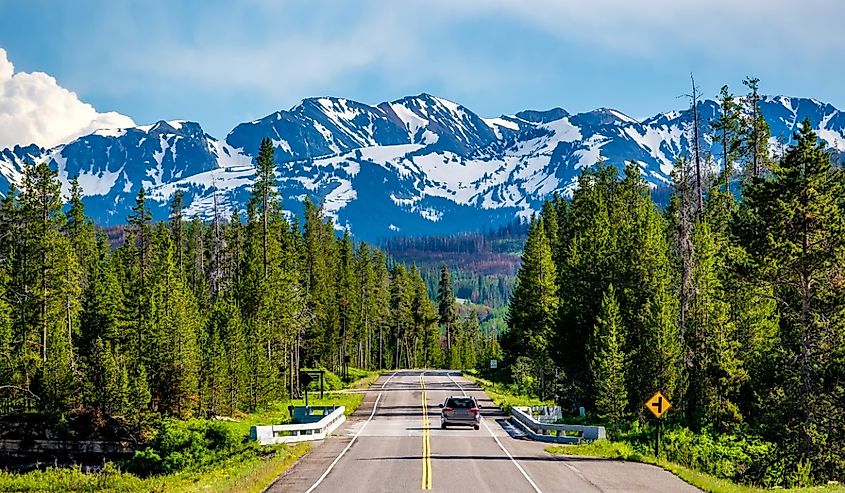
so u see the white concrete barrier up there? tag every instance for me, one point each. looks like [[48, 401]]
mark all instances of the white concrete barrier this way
[[558, 433], [301, 432]]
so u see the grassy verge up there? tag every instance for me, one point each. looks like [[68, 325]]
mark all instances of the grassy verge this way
[[246, 472], [706, 482], [246, 468], [277, 413], [363, 380], [503, 395]]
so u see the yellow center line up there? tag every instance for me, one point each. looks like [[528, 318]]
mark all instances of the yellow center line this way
[[426, 458]]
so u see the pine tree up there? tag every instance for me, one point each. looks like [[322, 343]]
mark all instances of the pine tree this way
[[589, 261], [265, 195], [402, 318], [447, 310], [79, 232], [471, 342], [365, 285], [755, 132], [49, 254], [172, 357], [608, 360], [425, 339], [100, 320], [136, 255], [727, 130], [534, 304], [226, 371], [716, 372], [379, 308], [177, 227], [346, 294], [793, 231], [658, 359]]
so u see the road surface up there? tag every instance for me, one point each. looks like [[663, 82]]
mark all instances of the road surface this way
[[393, 443]]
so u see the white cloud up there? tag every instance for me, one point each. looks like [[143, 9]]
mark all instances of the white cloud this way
[[422, 42], [723, 29], [34, 108]]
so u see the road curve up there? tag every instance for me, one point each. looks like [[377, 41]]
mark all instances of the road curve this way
[[393, 443]]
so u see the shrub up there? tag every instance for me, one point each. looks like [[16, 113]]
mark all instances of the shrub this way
[[185, 445], [744, 459]]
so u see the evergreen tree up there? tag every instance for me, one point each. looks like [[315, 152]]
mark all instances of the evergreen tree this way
[[716, 372], [793, 231], [136, 252], [46, 285], [447, 310], [755, 132], [608, 360], [82, 243], [534, 305], [101, 326], [426, 334], [727, 130], [265, 195], [346, 294], [471, 342], [177, 227], [379, 309]]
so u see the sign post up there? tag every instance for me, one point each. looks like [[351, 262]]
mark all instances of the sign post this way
[[494, 364], [658, 405], [305, 379]]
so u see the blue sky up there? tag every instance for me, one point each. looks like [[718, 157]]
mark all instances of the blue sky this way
[[224, 62]]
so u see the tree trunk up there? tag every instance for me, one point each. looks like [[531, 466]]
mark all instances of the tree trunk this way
[[699, 192]]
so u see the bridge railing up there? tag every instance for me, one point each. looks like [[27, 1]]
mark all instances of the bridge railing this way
[[551, 432], [300, 432]]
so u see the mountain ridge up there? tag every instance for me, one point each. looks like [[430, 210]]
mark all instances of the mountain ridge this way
[[418, 165]]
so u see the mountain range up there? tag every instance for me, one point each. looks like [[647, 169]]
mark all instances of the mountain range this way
[[421, 165]]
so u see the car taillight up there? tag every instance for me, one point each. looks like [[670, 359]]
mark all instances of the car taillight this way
[[447, 409], [474, 410]]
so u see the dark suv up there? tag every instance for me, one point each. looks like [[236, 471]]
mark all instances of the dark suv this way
[[463, 410]]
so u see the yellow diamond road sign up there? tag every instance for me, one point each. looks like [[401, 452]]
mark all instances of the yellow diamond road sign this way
[[658, 405]]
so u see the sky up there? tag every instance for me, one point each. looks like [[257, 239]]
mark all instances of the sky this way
[[69, 67]]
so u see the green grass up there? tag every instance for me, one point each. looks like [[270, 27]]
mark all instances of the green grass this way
[[504, 396], [706, 482], [241, 473], [277, 413], [362, 379]]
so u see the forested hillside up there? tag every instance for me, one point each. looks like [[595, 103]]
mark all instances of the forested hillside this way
[[188, 318], [483, 265], [731, 301]]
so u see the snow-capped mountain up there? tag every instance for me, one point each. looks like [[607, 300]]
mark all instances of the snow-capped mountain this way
[[418, 165]]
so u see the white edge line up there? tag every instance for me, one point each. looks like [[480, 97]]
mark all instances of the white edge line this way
[[499, 443], [335, 461]]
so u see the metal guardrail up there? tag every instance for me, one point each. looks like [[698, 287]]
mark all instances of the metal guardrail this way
[[557, 433], [300, 432]]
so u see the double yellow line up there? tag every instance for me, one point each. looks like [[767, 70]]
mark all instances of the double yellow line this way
[[426, 458]]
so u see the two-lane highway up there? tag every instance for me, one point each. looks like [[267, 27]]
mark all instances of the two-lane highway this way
[[394, 443]]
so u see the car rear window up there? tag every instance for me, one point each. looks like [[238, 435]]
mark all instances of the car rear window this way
[[457, 402]]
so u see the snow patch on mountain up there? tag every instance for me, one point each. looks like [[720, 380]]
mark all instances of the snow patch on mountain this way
[[418, 165]]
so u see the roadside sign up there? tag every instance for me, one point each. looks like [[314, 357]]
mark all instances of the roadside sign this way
[[305, 378], [494, 364], [658, 405]]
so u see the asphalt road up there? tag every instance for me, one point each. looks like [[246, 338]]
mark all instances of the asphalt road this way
[[393, 443]]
